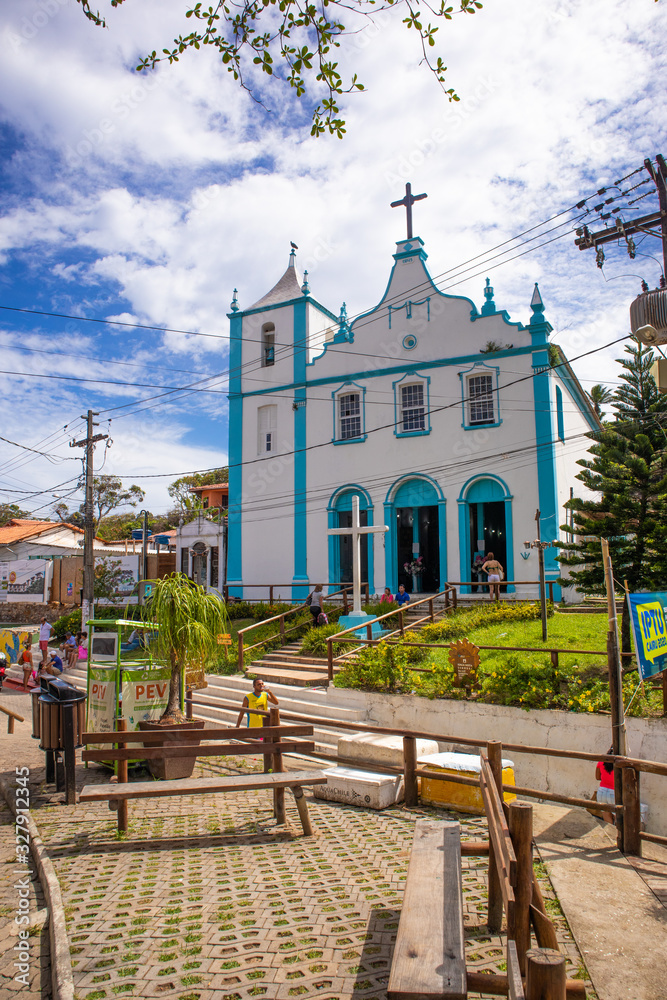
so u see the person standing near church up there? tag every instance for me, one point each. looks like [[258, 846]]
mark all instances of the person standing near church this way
[[402, 597], [257, 699], [494, 573], [314, 602]]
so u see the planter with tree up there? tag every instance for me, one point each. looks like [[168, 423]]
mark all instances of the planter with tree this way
[[189, 621]]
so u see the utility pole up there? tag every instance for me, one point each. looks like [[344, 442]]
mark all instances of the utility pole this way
[[586, 240], [541, 546], [89, 536]]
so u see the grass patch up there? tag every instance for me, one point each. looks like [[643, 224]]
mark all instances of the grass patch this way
[[579, 683]]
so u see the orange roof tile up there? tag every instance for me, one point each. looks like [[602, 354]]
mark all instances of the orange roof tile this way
[[20, 529]]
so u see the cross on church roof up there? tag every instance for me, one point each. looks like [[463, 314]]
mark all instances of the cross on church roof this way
[[408, 201]]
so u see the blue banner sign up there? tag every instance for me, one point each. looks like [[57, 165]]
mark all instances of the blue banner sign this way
[[649, 627]]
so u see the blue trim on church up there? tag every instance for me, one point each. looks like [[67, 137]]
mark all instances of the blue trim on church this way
[[300, 578], [235, 511], [485, 487]]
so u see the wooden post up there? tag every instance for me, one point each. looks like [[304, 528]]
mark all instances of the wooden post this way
[[369, 632], [282, 630], [554, 659], [430, 608], [550, 585], [268, 758], [455, 598], [446, 598], [271, 594], [521, 832], [494, 751], [400, 619], [188, 704], [240, 652], [278, 793], [302, 806], [345, 604], [631, 811], [330, 659], [545, 974], [411, 789], [122, 779], [10, 724]]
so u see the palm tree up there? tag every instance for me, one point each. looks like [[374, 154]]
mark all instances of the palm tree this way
[[599, 395], [189, 621]]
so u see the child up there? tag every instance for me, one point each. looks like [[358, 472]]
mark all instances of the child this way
[[604, 773]]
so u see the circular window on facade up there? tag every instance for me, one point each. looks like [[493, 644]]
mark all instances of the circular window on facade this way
[[409, 342]]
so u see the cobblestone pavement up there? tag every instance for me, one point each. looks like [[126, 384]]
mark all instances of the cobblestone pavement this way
[[207, 899]]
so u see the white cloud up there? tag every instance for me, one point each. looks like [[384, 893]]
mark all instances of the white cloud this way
[[149, 199]]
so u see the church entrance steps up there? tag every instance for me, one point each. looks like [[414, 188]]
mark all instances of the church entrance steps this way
[[313, 703]]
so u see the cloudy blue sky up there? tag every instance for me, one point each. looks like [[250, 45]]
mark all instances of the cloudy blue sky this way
[[148, 199]]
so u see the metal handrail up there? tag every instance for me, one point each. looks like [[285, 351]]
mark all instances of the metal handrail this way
[[242, 649]]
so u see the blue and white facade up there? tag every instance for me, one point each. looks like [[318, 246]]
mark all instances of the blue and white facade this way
[[451, 446]]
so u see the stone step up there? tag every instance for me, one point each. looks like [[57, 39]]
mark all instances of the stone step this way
[[281, 657], [307, 668], [287, 675], [310, 702]]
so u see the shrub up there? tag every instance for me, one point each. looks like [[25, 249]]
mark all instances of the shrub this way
[[314, 642], [377, 668]]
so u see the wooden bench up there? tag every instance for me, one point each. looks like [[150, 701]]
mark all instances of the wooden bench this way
[[275, 741], [429, 955]]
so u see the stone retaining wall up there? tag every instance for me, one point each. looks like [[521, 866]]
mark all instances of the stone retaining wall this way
[[647, 738]]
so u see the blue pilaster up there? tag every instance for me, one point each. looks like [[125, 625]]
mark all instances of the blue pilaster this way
[[235, 452], [540, 328], [509, 536], [300, 577], [390, 572], [442, 538], [465, 559]]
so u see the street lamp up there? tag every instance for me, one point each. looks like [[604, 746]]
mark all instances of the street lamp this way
[[541, 546]]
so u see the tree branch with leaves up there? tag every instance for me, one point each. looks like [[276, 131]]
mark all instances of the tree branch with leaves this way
[[293, 41]]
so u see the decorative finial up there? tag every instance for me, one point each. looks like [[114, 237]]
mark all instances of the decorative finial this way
[[537, 305], [489, 307], [235, 301], [292, 256], [305, 288]]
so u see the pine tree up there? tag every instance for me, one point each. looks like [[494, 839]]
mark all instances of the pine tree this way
[[626, 475]]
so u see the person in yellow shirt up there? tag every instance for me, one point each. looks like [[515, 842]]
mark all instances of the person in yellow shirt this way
[[258, 699]]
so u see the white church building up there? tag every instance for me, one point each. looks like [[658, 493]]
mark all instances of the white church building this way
[[452, 425]]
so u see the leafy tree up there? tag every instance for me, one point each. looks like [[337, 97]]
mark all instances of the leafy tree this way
[[599, 395], [179, 490], [8, 511], [294, 41], [108, 495], [627, 475], [116, 527], [189, 622]]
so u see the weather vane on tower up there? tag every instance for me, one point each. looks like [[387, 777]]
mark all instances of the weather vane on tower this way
[[408, 201]]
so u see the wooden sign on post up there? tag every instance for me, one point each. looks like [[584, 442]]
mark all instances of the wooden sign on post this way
[[464, 657]]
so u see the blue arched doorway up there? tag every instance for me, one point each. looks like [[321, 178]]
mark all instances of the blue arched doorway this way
[[339, 515], [485, 525], [415, 512]]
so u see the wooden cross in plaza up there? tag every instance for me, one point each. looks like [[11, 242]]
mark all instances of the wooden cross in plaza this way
[[356, 531], [409, 201]]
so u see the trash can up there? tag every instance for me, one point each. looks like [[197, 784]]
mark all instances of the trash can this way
[[55, 693]]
